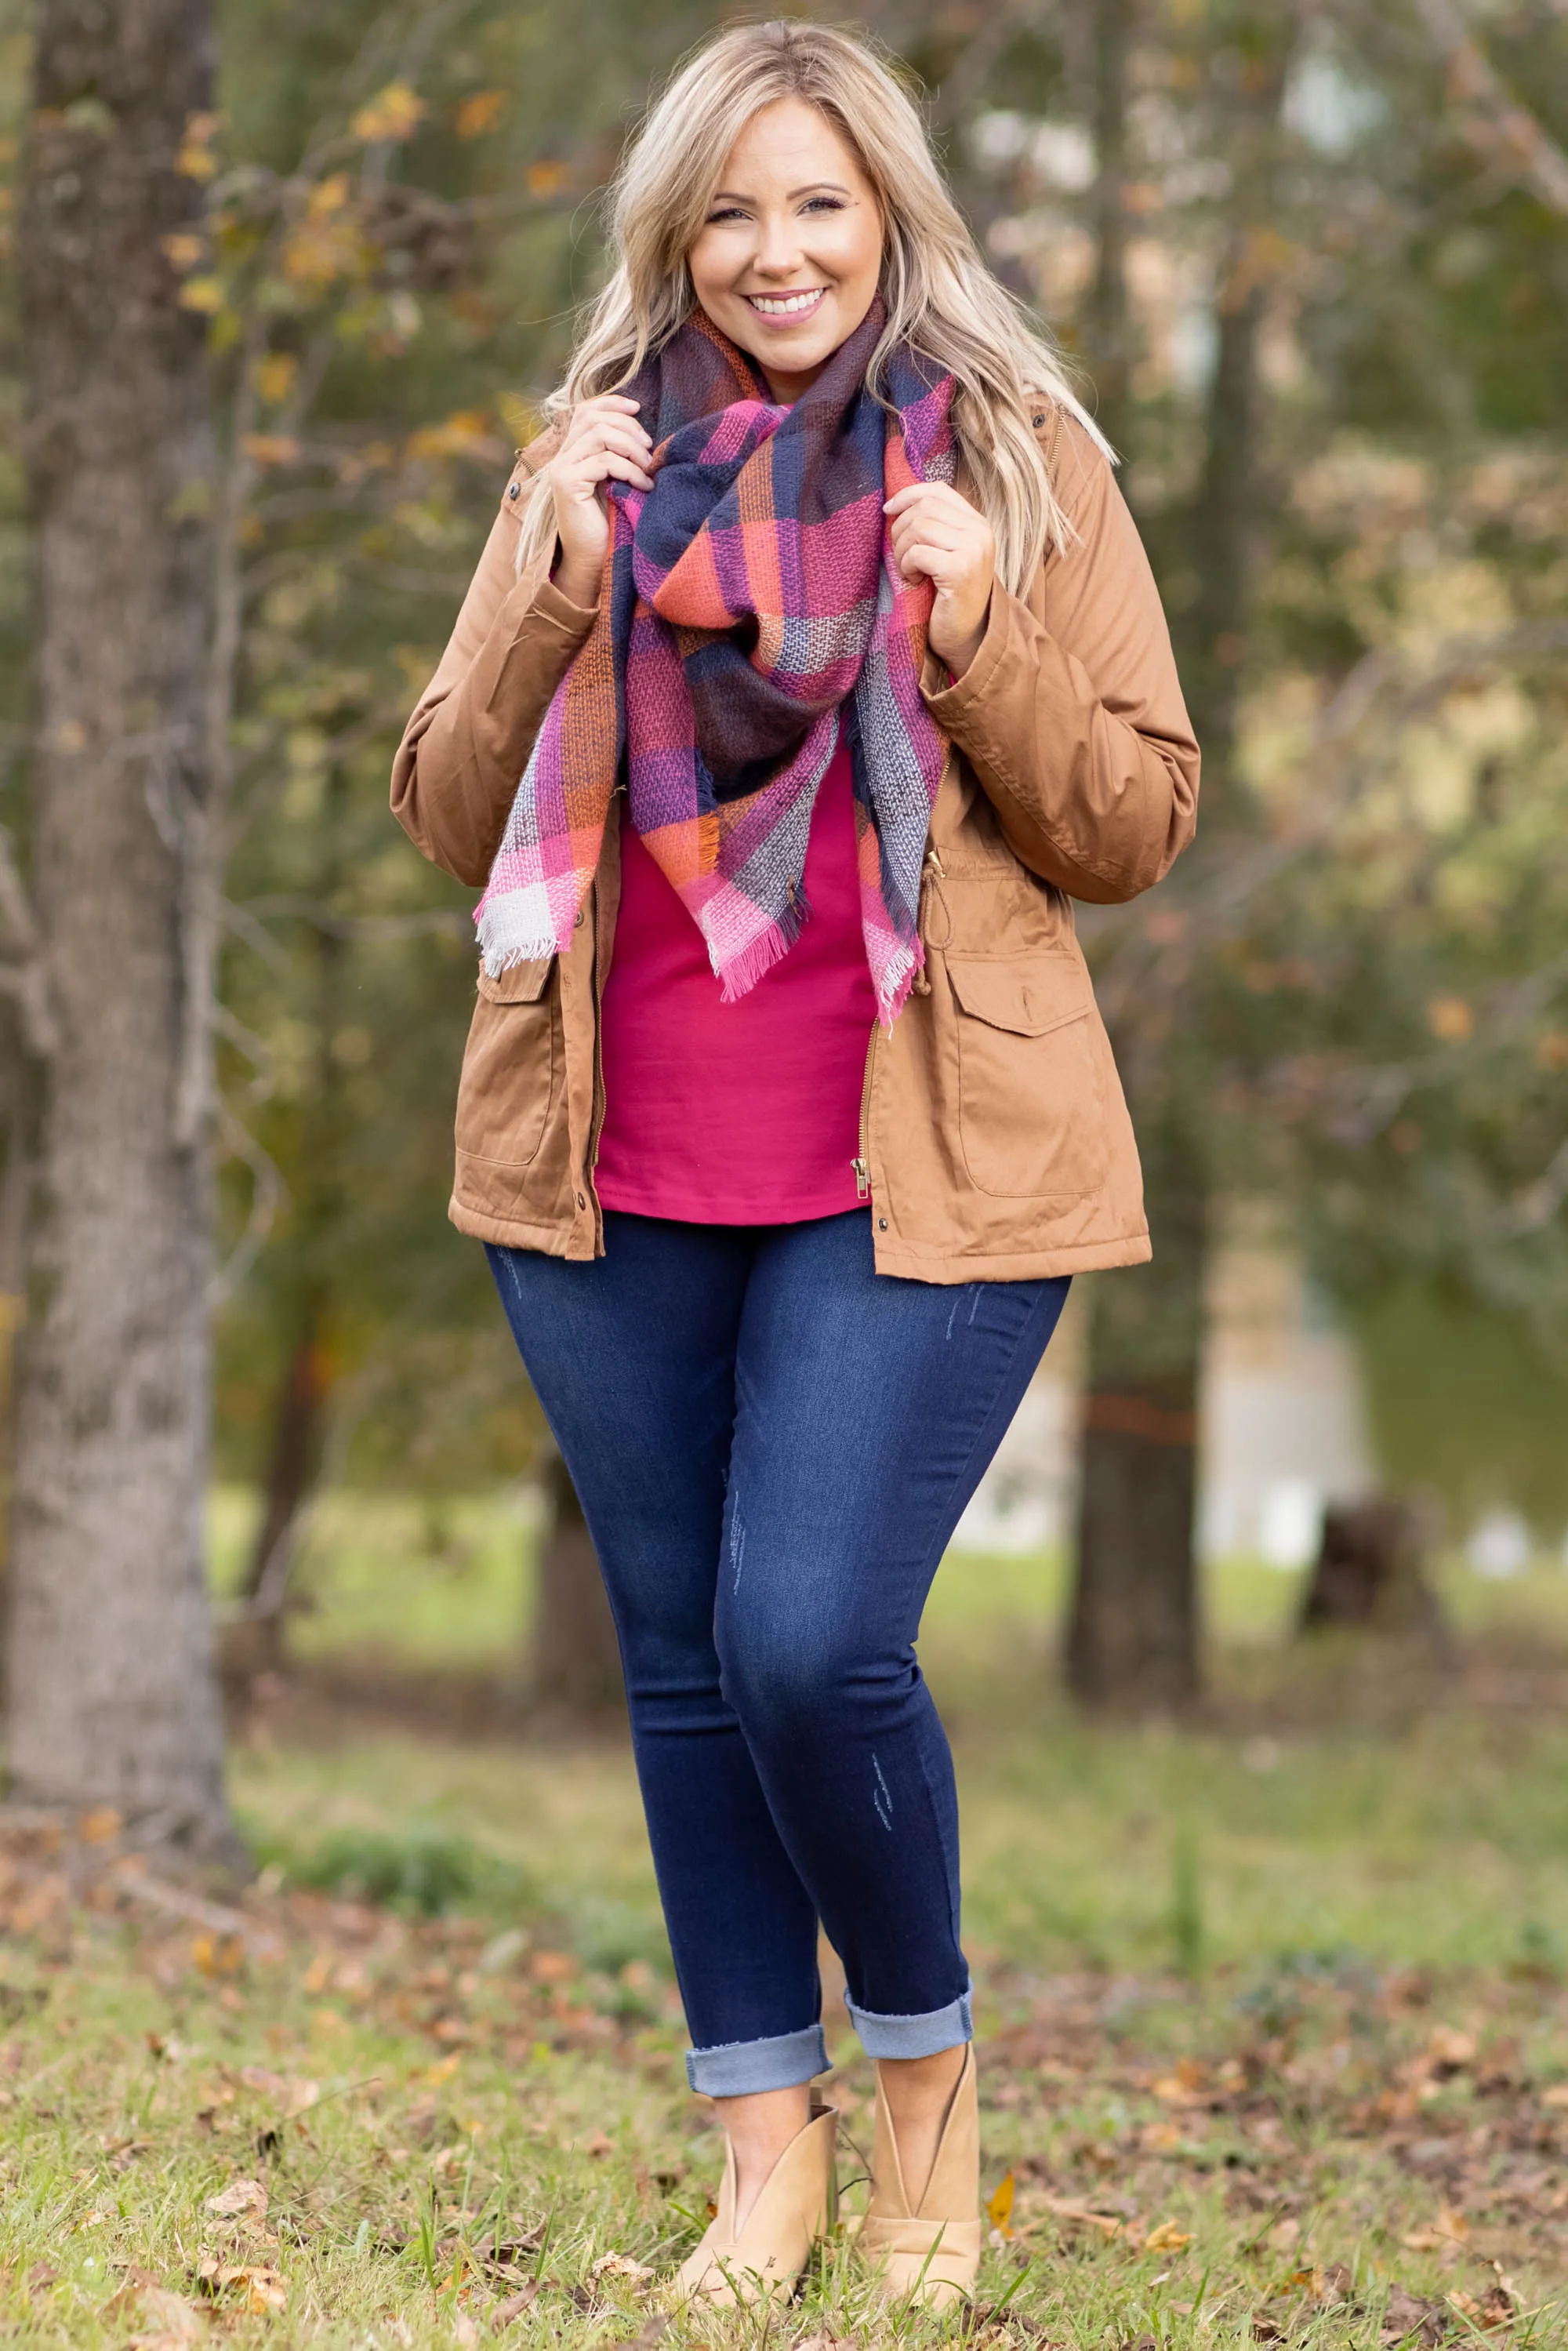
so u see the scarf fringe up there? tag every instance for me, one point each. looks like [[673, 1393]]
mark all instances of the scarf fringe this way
[[502, 945], [769, 947]]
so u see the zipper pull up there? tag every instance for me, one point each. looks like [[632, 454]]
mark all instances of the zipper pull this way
[[863, 1179]]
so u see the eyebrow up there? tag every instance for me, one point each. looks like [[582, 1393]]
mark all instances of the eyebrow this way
[[736, 196]]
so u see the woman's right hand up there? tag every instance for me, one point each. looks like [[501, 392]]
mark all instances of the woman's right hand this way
[[603, 442]]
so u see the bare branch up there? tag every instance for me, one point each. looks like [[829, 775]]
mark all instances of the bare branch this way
[[433, 922], [1496, 123], [265, 1194], [24, 979]]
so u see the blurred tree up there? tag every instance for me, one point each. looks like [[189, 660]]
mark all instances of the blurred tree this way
[[1325, 308], [390, 262], [112, 1696], [574, 1659], [1272, 222], [1132, 1637]]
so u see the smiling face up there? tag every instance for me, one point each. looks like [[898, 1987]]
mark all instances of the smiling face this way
[[788, 260]]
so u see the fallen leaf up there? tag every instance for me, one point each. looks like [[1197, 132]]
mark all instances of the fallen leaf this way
[[999, 2206], [171, 2317], [620, 2265], [502, 2316], [1449, 2227], [464, 2330], [596, 2144], [1557, 2096], [515, 2304], [1167, 2237], [1411, 2318], [241, 2199], [1066, 2209], [1494, 2309]]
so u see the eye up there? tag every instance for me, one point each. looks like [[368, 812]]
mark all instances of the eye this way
[[725, 212], [823, 205]]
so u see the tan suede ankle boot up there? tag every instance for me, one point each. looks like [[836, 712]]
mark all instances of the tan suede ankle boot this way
[[930, 2251], [797, 2206]]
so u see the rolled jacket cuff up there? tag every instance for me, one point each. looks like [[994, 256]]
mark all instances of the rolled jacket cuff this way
[[737, 2068], [913, 2036]]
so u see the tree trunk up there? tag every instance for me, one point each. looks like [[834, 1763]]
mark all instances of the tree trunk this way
[[1370, 1574], [1132, 1636], [305, 1280], [113, 1694], [574, 1657], [1133, 1639], [1108, 320]]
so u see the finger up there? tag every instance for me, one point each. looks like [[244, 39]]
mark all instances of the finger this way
[[926, 530], [613, 466], [915, 493], [620, 432], [922, 561], [608, 400], [624, 440], [581, 481], [588, 422], [924, 518], [907, 497]]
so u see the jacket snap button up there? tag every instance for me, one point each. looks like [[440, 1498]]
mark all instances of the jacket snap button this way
[[515, 490], [577, 925], [1038, 420], [882, 1223], [582, 1200]]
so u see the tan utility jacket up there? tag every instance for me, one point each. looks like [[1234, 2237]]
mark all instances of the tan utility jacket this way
[[995, 1144]]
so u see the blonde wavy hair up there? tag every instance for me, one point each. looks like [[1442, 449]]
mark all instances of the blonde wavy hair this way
[[941, 298]]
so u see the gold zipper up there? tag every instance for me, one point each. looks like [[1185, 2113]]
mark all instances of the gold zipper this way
[[596, 1112], [861, 1163]]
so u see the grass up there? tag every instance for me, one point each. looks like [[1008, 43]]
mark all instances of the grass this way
[[1274, 2033]]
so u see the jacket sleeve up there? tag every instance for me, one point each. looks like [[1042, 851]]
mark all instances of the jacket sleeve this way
[[1071, 714], [464, 750]]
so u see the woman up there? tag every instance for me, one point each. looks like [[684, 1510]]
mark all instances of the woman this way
[[832, 668]]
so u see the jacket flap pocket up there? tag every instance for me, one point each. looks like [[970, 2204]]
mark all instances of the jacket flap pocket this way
[[521, 983], [1027, 995]]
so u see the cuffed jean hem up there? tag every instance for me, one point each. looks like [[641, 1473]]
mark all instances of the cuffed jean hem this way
[[913, 2036], [736, 2068]]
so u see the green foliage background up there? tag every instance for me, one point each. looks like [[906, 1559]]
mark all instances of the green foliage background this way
[[402, 213]]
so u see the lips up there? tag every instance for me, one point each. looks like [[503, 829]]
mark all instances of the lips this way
[[786, 310]]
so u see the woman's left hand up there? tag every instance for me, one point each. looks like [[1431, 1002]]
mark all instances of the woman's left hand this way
[[935, 532]]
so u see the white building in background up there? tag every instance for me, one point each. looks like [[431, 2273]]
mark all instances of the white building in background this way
[[1283, 1418]]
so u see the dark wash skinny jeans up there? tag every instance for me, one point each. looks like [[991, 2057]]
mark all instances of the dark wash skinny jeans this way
[[773, 1445]]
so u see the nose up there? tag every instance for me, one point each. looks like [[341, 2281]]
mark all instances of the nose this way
[[778, 246]]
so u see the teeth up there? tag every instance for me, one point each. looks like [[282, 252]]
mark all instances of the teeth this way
[[779, 306]]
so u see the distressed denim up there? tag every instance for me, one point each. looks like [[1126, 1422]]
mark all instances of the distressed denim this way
[[772, 1445]]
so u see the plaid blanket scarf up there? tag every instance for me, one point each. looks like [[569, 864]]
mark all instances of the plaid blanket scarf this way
[[750, 611]]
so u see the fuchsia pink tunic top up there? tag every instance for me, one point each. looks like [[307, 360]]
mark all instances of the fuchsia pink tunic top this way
[[744, 1114]]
